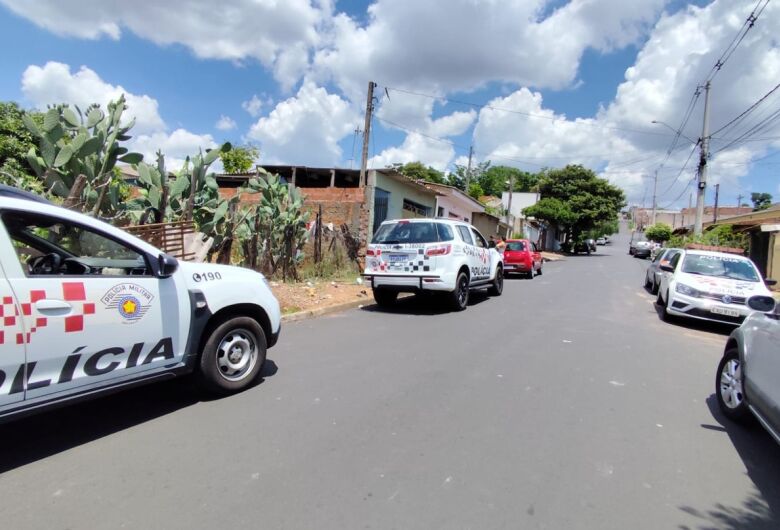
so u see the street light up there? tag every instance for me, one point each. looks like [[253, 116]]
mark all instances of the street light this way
[[659, 122], [511, 184]]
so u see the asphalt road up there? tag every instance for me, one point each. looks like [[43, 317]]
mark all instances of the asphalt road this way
[[563, 404]]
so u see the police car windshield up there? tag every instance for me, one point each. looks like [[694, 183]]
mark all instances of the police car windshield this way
[[731, 267], [407, 232]]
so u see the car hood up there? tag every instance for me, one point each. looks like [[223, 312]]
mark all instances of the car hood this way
[[711, 284]]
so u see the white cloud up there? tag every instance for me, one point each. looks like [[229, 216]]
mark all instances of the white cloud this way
[[225, 123], [175, 146], [265, 30], [255, 105], [305, 128], [54, 83], [415, 148]]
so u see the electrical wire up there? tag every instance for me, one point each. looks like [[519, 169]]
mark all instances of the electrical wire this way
[[738, 38]]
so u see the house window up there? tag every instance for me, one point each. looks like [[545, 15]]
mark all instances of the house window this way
[[381, 201], [440, 212], [416, 209]]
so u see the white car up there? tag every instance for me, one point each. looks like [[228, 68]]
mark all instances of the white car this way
[[434, 255], [88, 308], [709, 286]]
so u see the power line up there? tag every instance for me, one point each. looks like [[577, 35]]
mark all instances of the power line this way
[[521, 113], [747, 111], [738, 38]]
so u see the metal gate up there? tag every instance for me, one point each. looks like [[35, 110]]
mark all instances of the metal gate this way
[[381, 201]]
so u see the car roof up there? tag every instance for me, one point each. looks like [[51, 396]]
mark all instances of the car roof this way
[[713, 253], [427, 220], [16, 193]]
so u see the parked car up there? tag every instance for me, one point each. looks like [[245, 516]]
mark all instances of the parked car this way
[[709, 286], [746, 380], [423, 255], [653, 273], [601, 241], [636, 238], [89, 309], [522, 256], [643, 249]]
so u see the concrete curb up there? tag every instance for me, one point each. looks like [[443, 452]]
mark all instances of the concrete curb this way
[[549, 256], [320, 311]]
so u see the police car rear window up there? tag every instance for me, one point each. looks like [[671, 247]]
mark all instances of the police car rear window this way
[[408, 232]]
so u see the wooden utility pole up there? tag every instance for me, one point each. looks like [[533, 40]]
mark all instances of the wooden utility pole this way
[[468, 169], [715, 213], [702, 181], [739, 201], [655, 195], [367, 132]]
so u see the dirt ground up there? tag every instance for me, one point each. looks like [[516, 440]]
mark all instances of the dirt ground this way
[[312, 294]]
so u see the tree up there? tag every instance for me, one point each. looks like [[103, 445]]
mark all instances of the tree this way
[[239, 159], [15, 142], [659, 232], [494, 180], [419, 171], [576, 200], [458, 177], [761, 201]]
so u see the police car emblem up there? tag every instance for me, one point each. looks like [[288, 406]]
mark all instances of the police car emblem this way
[[130, 300], [726, 299]]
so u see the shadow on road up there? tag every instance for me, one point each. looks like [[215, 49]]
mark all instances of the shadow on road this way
[[36, 437], [694, 324], [761, 456], [428, 304]]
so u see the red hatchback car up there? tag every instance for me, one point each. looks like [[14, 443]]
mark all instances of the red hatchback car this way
[[522, 256]]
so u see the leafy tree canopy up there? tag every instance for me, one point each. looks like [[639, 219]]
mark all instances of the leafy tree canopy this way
[[761, 201], [239, 159], [576, 199], [495, 180], [659, 232], [419, 171], [15, 139]]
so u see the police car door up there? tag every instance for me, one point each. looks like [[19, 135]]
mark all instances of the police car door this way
[[481, 268], [91, 307], [11, 343], [469, 249]]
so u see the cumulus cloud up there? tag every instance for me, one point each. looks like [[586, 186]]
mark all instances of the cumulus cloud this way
[[225, 123], [416, 147], [233, 29], [306, 128], [176, 146], [255, 105], [54, 83]]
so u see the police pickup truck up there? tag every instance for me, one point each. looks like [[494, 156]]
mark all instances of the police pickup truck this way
[[87, 309]]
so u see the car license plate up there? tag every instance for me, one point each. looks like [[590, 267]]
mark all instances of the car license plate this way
[[398, 259], [509, 266], [725, 311]]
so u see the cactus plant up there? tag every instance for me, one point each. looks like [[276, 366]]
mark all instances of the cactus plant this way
[[74, 143]]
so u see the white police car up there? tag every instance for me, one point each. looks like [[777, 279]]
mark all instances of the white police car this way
[[709, 286], [88, 308], [437, 255]]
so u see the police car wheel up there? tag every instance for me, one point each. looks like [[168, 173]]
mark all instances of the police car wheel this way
[[385, 298], [459, 298], [233, 355], [498, 283]]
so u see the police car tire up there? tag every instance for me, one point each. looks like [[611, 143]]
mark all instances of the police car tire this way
[[385, 298], [457, 301], [210, 376], [498, 283]]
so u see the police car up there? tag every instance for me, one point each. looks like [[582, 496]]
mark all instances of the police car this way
[[88, 308], [709, 285], [431, 255]]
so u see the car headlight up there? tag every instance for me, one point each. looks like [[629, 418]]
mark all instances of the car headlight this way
[[686, 290]]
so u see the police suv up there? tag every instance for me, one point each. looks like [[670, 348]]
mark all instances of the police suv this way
[[434, 255], [88, 308]]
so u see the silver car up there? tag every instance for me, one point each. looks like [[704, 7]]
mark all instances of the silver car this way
[[748, 373], [654, 273]]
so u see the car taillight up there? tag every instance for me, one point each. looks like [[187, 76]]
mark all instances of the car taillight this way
[[441, 250], [373, 252]]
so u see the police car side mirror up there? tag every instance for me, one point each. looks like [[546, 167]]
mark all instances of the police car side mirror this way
[[666, 267], [166, 265], [765, 304], [492, 244]]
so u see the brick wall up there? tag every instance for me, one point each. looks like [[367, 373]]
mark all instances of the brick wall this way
[[339, 205]]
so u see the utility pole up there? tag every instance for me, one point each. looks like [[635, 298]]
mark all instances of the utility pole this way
[[715, 213], [655, 193], [367, 132], [509, 205], [468, 169], [702, 181], [739, 201]]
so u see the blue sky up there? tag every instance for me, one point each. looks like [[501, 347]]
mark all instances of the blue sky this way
[[311, 108]]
